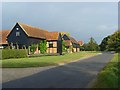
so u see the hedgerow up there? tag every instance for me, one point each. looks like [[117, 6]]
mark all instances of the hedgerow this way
[[14, 53]]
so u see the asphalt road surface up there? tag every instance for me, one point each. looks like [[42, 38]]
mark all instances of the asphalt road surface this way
[[73, 75]]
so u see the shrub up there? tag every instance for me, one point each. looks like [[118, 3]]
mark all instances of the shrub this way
[[43, 46], [14, 53], [64, 46], [33, 48]]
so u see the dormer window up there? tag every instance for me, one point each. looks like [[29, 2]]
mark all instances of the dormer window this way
[[17, 34], [17, 28]]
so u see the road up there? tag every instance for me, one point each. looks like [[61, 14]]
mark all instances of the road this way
[[73, 75]]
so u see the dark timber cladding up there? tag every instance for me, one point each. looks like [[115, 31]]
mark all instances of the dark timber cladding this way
[[22, 34]]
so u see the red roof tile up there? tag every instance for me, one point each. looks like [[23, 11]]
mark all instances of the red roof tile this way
[[3, 36], [33, 31], [73, 40], [38, 32], [81, 43], [52, 35]]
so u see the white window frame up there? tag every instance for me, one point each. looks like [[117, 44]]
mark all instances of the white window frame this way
[[17, 34]]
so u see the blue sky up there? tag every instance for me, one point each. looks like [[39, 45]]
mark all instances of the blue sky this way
[[81, 19]]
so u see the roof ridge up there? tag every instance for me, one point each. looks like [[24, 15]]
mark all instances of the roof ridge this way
[[54, 32], [32, 26]]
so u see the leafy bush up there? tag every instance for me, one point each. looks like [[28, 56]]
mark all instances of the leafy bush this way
[[64, 46], [14, 53], [33, 48], [43, 46]]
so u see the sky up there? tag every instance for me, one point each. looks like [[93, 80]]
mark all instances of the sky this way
[[81, 19]]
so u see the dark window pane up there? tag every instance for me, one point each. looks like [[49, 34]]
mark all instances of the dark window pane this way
[[50, 45]]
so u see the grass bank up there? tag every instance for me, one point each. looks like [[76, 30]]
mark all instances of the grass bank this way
[[108, 77], [45, 60]]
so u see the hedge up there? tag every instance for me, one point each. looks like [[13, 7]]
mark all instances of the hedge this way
[[14, 53]]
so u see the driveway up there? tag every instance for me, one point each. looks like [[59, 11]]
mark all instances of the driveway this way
[[73, 75]]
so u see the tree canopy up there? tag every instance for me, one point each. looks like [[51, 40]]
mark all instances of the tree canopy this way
[[104, 43], [111, 42], [91, 45]]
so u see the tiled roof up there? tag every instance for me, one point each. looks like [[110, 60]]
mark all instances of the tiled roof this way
[[80, 42], [73, 40], [67, 42], [33, 31], [39, 33], [52, 35], [3, 36], [70, 39]]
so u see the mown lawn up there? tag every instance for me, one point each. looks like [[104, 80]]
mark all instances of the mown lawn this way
[[45, 60], [108, 77]]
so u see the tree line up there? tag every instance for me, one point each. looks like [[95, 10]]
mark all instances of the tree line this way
[[109, 43]]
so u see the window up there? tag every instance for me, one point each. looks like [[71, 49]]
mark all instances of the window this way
[[50, 44], [17, 33], [17, 28]]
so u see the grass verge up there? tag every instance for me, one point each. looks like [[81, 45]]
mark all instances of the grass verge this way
[[108, 77], [44, 60]]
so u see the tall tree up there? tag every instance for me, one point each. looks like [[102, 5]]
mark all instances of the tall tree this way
[[91, 45], [114, 42], [111, 43], [104, 43]]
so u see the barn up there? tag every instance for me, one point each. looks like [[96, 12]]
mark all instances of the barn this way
[[25, 35]]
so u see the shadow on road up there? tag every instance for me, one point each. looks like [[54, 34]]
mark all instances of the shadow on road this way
[[73, 75]]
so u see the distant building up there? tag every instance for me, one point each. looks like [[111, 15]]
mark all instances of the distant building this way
[[71, 42], [81, 43]]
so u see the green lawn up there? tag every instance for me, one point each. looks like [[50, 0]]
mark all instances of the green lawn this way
[[44, 60], [108, 77]]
